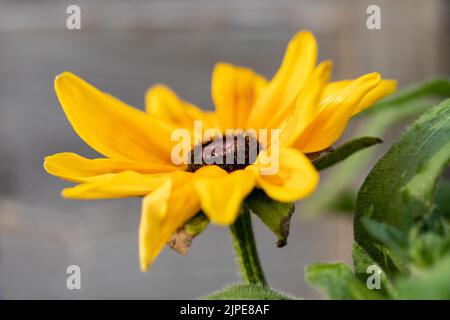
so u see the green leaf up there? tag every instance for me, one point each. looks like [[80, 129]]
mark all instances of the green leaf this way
[[246, 292], [429, 248], [338, 282], [432, 284], [274, 214], [400, 188], [344, 151], [361, 262], [344, 203], [429, 240], [442, 198], [331, 278], [389, 236]]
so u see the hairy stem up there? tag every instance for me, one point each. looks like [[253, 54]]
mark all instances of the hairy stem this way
[[245, 250]]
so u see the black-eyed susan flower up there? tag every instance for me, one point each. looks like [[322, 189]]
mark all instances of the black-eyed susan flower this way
[[309, 111]]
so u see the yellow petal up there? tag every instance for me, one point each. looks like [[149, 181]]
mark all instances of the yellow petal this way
[[72, 167], [116, 185], [384, 88], [162, 102], [295, 179], [306, 104], [234, 91], [298, 63], [332, 118], [221, 194], [163, 211], [108, 125]]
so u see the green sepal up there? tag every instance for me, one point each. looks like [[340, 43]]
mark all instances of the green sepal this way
[[274, 214], [338, 154], [182, 239]]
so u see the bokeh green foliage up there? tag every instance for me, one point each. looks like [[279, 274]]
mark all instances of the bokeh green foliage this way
[[401, 216]]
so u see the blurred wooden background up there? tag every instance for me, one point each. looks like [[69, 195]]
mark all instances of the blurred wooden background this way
[[124, 47]]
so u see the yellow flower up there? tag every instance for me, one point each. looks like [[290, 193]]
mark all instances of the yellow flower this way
[[310, 112]]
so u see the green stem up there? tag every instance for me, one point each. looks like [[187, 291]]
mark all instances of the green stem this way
[[245, 250]]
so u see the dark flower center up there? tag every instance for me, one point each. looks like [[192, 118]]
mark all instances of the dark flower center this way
[[231, 152]]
